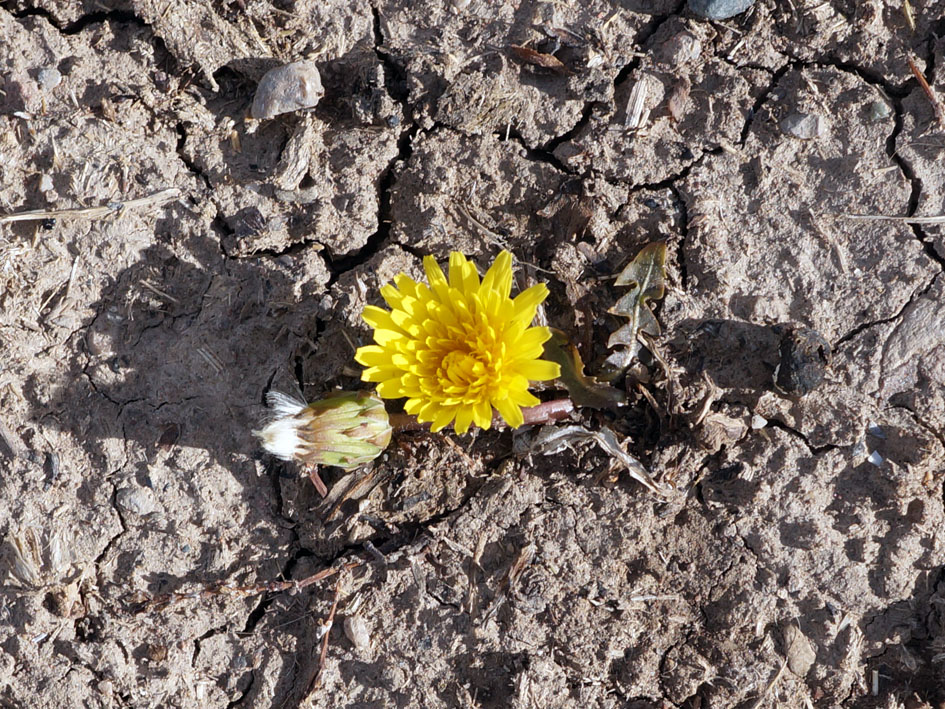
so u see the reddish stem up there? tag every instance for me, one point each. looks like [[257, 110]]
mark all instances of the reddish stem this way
[[317, 481], [545, 412]]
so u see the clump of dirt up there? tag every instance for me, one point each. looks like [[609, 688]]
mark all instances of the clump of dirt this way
[[780, 156]]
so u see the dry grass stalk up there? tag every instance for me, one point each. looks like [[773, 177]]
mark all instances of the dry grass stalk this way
[[158, 198], [940, 219], [636, 104]]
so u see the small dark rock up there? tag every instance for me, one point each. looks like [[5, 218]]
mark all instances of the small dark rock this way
[[719, 9], [805, 356]]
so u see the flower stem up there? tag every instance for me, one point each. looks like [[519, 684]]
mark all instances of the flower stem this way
[[317, 481], [545, 412]]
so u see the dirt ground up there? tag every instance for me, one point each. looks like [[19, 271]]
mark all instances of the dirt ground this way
[[799, 560]]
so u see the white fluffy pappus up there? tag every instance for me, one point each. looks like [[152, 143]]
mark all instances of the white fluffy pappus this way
[[280, 436]]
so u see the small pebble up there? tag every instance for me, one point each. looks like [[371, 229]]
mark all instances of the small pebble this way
[[879, 111], [800, 653], [860, 451], [45, 183], [105, 687], [875, 430], [287, 88], [680, 49], [137, 501], [805, 126], [48, 78], [357, 632], [875, 458], [758, 422], [719, 9], [156, 652]]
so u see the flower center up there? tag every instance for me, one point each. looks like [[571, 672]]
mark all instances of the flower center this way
[[465, 374]]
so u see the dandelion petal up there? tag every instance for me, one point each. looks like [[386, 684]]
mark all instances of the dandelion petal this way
[[458, 347]]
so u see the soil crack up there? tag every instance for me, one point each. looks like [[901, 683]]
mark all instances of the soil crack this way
[[78, 25], [895, 93], [859, 329], [100, 559], [763, 98], [188, 162], [379, 238], [814, 450]]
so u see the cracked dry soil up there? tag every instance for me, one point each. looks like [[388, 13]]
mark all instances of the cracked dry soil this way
[[801, 562]]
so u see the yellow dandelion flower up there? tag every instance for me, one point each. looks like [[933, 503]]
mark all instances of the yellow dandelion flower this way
[[457, 349]]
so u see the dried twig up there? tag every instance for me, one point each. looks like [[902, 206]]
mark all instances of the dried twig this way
[[317, 481], [933, 99], [326, 632], [162, 601], [158, 198]]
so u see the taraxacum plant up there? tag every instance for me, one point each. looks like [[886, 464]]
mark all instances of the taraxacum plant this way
[[458, 348]]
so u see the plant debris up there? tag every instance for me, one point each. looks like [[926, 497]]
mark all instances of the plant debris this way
[[536, 58], [924, 84], [805, 356], [551, 440]]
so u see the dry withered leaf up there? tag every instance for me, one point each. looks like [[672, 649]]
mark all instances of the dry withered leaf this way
[[719, 430], [647, 274], [551, 440], [584, 390], [535, 58]]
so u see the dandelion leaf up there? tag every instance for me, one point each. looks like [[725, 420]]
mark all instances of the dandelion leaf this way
[[646, 275], [584, 390]]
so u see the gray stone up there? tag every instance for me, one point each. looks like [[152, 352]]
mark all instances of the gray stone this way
[[800, 653], [805, 126], [719, 9], [680, 49], [287, 88], [136, 500], [879, 111], [48, 78]]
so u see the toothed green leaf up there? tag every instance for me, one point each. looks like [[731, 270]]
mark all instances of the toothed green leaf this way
[[646, 275], [584, 390]]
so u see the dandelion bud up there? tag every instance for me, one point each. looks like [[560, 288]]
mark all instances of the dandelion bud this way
[[346, 429]]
